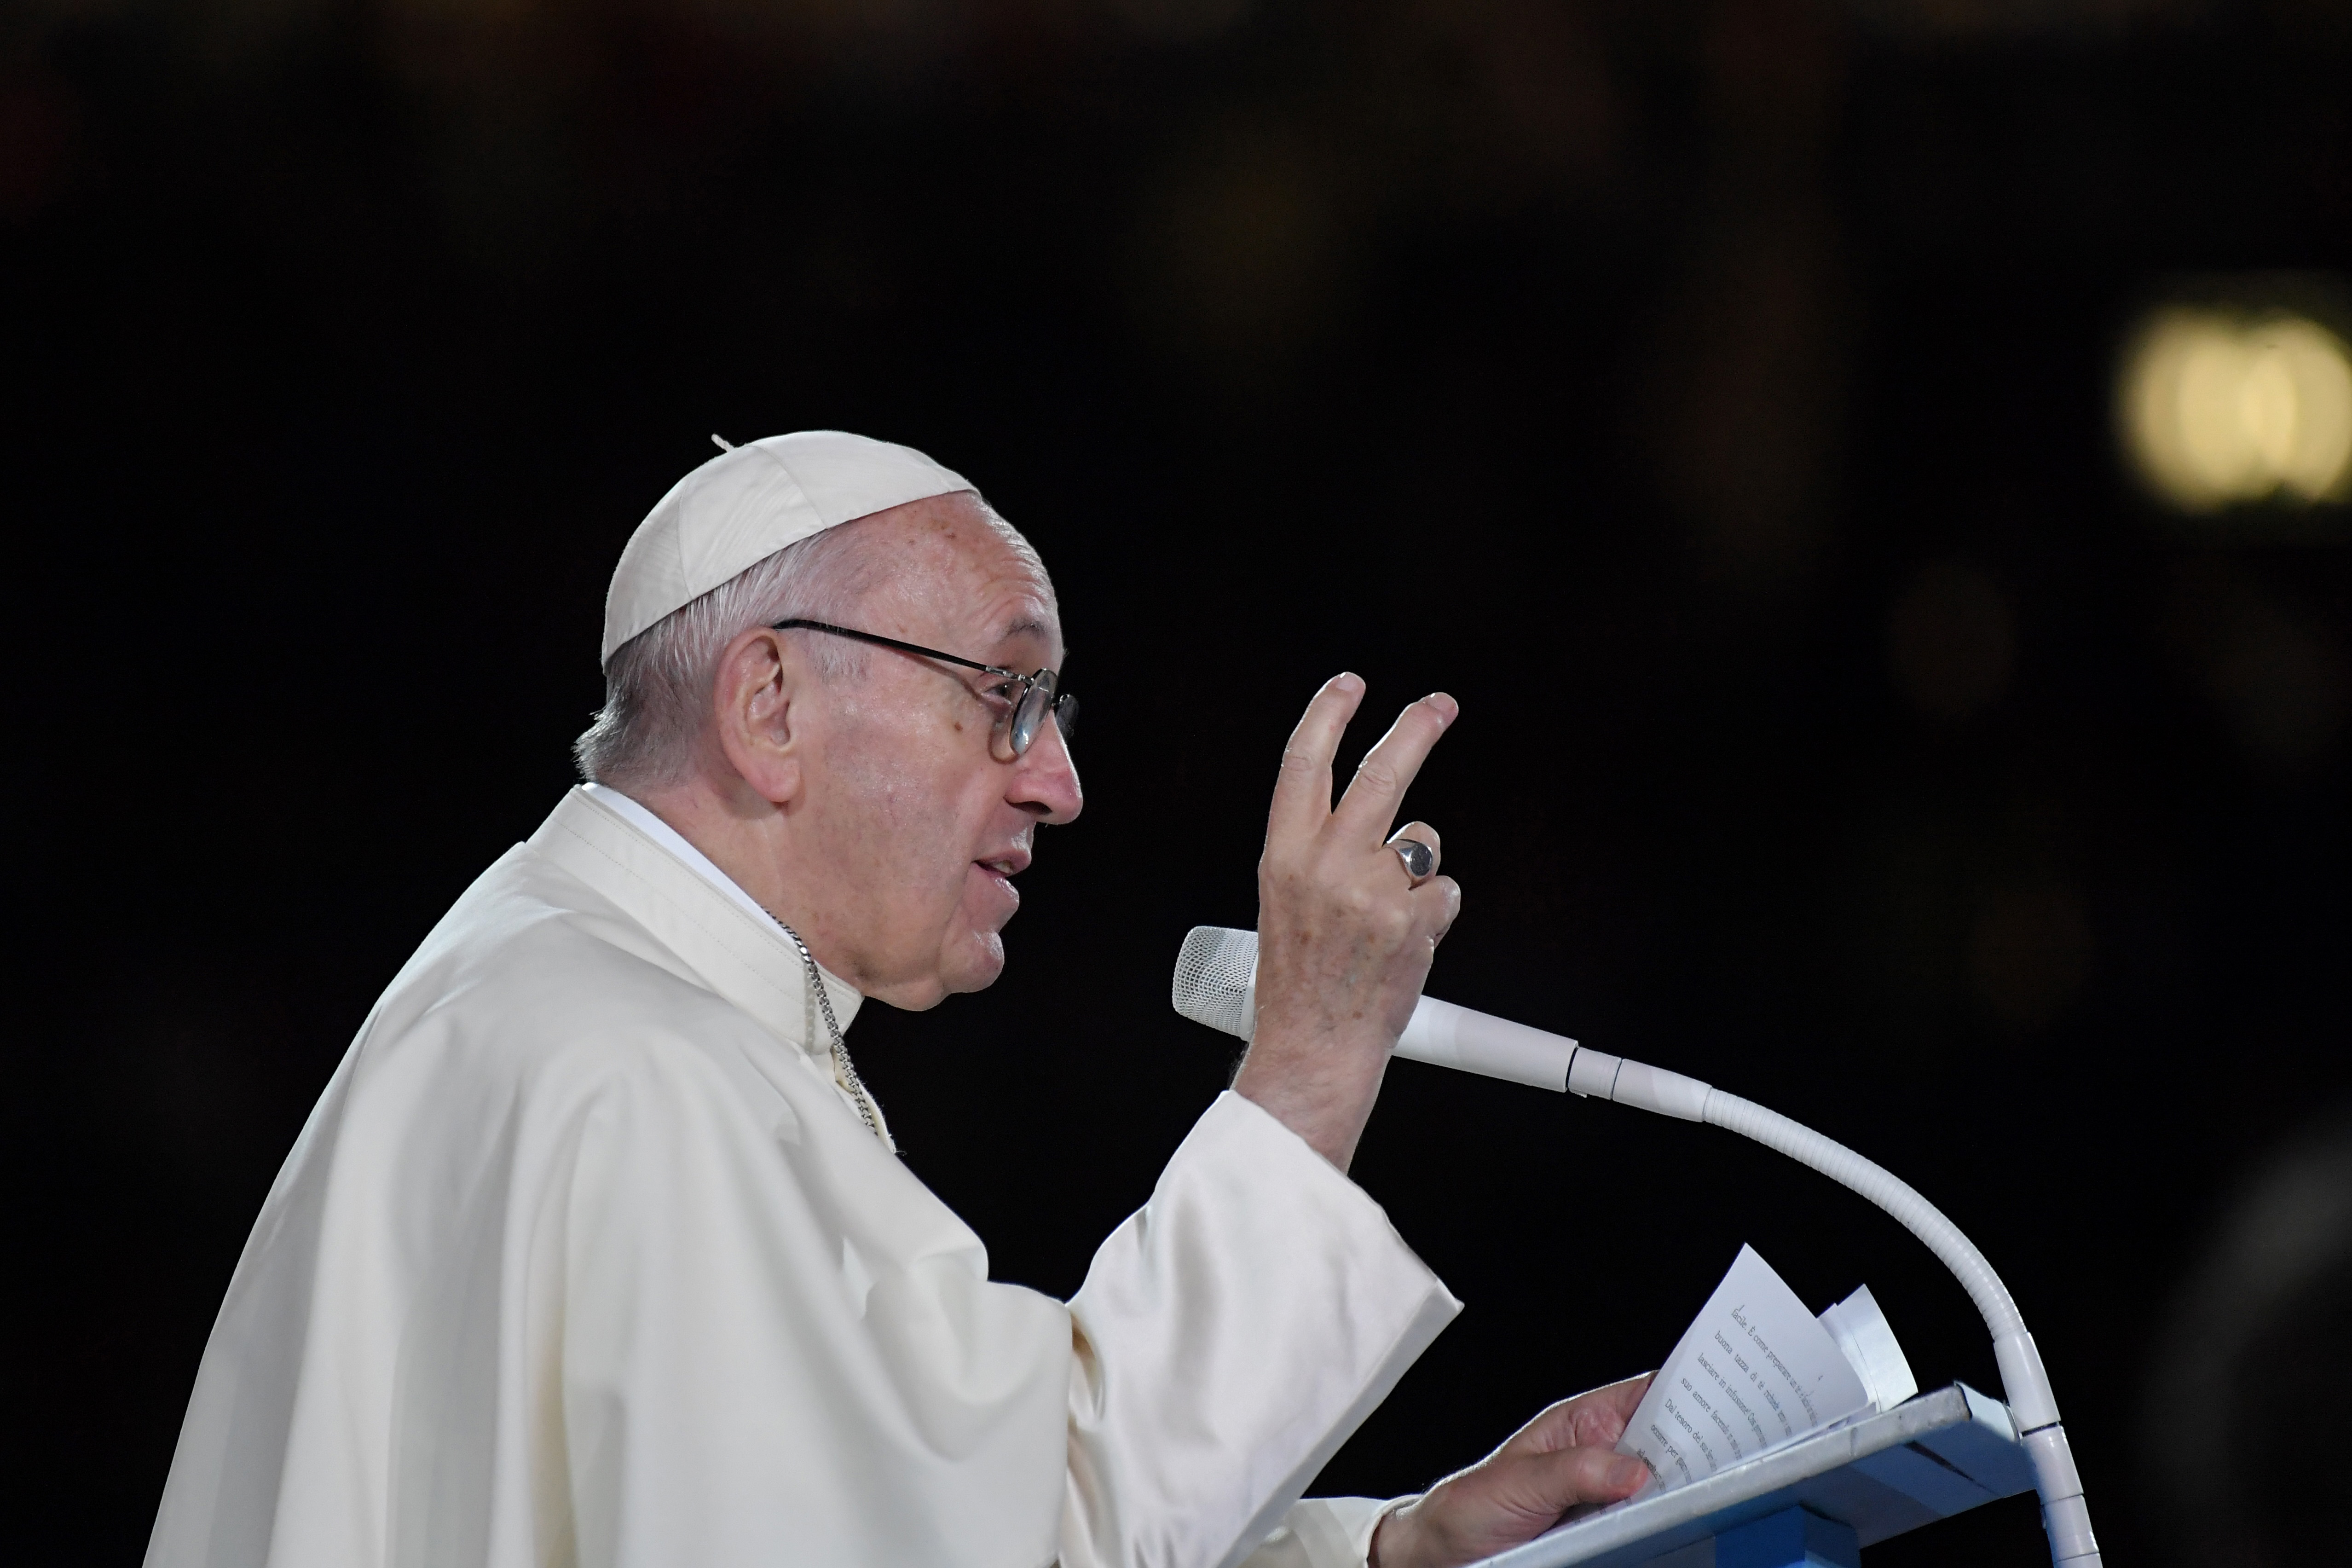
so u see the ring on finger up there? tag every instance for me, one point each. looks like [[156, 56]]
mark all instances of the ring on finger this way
[[1419, 858]]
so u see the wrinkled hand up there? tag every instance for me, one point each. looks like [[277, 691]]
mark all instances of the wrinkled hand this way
[[1345, 935], [1562, 1459]]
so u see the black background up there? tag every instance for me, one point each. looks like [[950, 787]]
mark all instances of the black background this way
[[1712, 395]]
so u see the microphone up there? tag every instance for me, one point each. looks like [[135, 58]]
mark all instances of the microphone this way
[[1216, 985]]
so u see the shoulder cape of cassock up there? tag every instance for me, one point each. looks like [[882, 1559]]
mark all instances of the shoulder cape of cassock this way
[[581, 1259]]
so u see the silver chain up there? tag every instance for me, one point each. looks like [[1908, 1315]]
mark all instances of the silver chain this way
[[843, 1067]]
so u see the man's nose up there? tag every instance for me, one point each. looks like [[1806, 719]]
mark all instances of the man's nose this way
[[1044, 780]]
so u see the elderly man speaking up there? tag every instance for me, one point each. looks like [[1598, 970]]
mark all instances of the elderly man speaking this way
[[596, 1251]]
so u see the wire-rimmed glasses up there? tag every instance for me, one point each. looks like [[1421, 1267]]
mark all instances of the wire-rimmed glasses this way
[[1028, 701]]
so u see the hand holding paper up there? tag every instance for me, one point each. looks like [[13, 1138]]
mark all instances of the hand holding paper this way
[[1559, 1462], [1753, 1371]]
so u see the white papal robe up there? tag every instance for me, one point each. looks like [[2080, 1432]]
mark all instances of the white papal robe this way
[[583, 1257]]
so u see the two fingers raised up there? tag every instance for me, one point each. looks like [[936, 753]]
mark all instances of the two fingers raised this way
[[1302, 793], [1345, 926]]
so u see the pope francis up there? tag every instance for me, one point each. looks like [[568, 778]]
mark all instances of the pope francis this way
[[596, 1250]]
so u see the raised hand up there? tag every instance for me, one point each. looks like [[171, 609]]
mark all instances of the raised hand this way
[[1345, 930], [1563, 1459]]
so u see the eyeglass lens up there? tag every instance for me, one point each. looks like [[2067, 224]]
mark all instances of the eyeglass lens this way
[[1029, 717]]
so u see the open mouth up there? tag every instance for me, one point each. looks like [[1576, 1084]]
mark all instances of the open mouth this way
[[1005, 867]]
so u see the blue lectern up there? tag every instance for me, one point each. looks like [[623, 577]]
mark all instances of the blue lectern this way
[[1814, 1503]]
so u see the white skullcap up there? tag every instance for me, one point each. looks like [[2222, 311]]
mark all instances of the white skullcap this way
[[746, 505]]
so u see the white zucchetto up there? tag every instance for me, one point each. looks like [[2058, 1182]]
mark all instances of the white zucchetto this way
[[748, 502]]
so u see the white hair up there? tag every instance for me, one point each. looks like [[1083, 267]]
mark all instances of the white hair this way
[[657, 685]]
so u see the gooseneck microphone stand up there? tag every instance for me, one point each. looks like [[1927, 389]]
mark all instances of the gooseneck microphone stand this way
[[2026, 1384]]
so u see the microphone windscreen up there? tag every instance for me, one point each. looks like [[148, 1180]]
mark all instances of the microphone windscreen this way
[[1216, 979]]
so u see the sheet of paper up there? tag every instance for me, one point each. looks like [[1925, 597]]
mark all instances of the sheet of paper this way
[[1754, 1371], [1862, 1332]]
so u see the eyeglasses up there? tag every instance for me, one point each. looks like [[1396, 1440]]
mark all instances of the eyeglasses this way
[[1030, 698]]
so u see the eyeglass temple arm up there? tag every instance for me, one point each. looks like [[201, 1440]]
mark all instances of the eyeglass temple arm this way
[[894, 642]]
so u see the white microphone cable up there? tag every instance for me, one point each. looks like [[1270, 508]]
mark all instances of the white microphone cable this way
[[1216, 984]]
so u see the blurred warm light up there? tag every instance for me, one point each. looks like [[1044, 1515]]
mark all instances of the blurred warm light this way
[[2220, 406]]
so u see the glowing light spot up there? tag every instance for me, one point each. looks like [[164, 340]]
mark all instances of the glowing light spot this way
[[2220, 407]]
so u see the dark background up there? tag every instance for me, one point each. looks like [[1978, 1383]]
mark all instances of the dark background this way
[[1713, 394]]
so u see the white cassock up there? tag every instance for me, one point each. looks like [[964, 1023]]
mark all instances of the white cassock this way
[[585, 1257]]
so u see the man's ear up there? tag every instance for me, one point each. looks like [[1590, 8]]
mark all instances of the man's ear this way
[[760, 683]]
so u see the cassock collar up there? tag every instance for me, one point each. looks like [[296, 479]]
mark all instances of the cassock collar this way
[[698, 912], [642, 819]]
